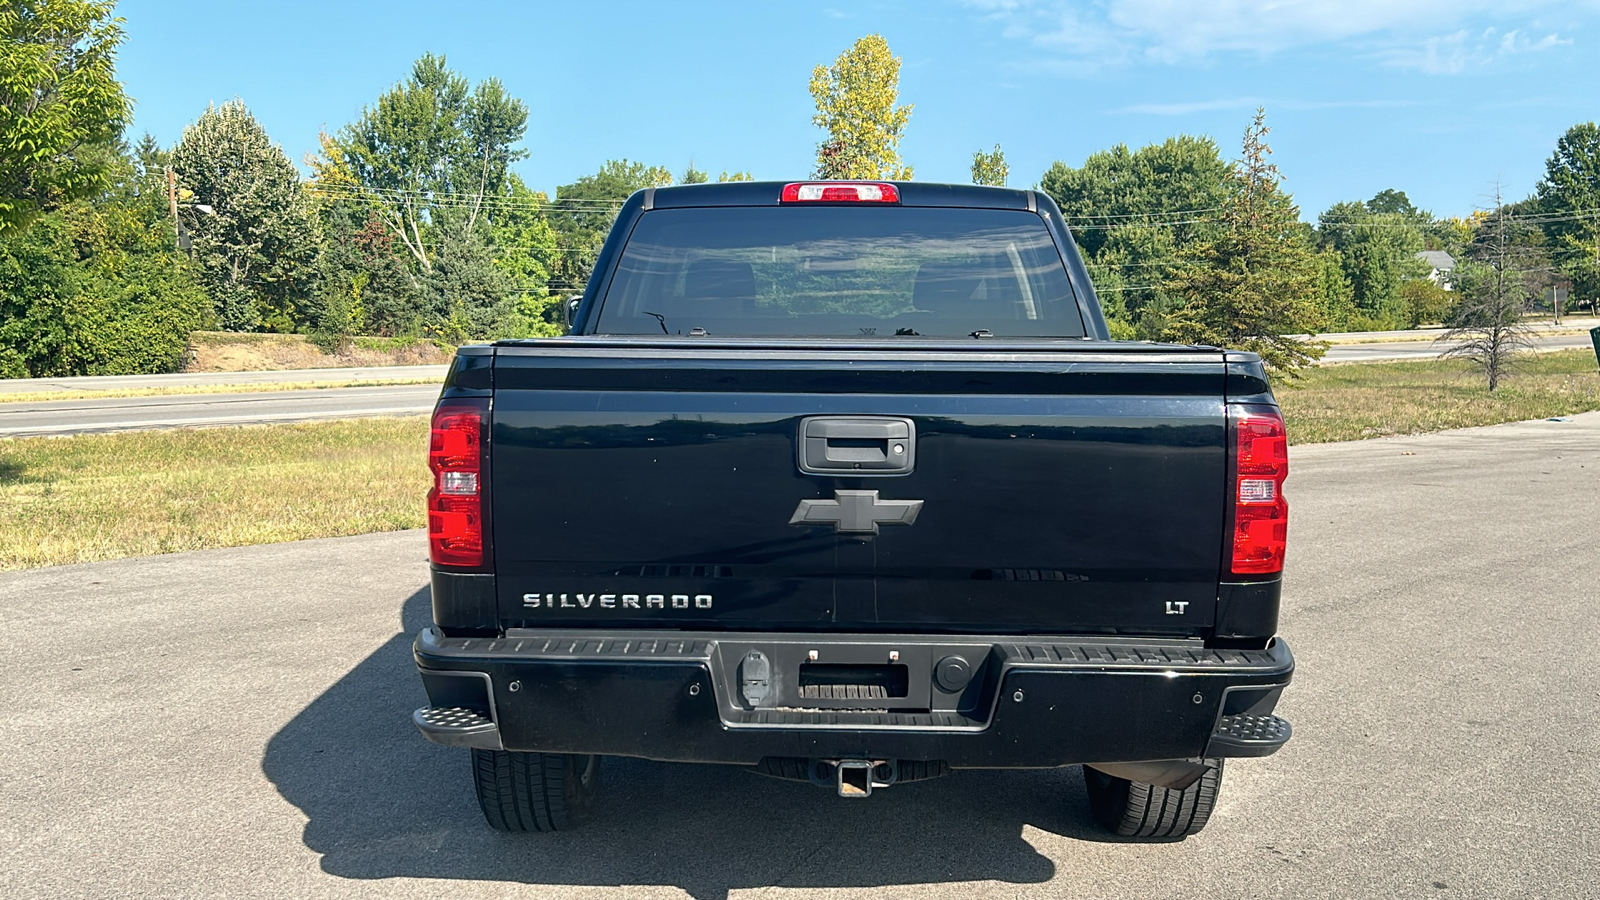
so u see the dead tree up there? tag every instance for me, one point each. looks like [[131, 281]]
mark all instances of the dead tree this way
[[1486, 327]]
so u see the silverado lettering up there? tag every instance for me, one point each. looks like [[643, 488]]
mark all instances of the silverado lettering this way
[[609, 601]]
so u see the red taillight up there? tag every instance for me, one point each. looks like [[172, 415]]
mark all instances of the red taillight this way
[[455, 504], [840, 192], [1260, 514]]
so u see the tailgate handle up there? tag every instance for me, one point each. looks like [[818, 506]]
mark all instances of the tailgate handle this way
[[857, 445]]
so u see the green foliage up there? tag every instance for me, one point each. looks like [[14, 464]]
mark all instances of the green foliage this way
[[467, 296], [692, 175], [1425, 303], [1134, 213], [254, 236], [990, 168], [583, 213], [1254, 285], [433, 155], [418, 196], [1377, 244], [1567, 198], [526, 249], [59, 97], [363, 283], [855, 100], [96, 290], [735, 176], [1335, 297]]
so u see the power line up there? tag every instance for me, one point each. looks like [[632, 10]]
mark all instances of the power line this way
[[1172, 212]]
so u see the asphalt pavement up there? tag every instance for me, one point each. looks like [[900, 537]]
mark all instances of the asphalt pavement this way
[[1425, 348], [236, 723], [99, 414], [89, 416], [201, 379]]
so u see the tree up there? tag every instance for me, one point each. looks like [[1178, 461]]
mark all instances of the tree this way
[[1493, 283], [1254, 285], [855, 100], [363, 283], [1377, 243], [1426, 303], [59, 95], [1133, 213], [469, 297], [990, 168], [432, 154], [584, 210], [527, 250], [692, 175], [254, 236], [1335, 297], [1567, 200], [96, 287]]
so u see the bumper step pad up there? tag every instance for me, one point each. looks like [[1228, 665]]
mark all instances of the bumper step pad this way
[[1248, 735], [457, 726]]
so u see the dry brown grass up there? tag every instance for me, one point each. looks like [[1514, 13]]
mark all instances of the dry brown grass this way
[[221, 351], [1363, 400], [105, 496]]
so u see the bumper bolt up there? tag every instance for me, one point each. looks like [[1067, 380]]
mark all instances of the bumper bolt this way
[[514, 686], [1198, 699], [694, 690], [1017, 697]]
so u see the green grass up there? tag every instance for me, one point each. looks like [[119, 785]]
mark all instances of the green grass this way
[[1363, 400], [93, 497], [106, 496]]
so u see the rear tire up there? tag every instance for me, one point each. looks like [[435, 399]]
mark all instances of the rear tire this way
[[534, 791], [1137, 809]]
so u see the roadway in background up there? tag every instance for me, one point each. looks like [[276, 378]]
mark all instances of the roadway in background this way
[[200, 379], [101, 414], [237, 722], [90, 416]]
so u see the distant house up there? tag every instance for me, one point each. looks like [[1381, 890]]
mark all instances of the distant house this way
[[1440, 264]]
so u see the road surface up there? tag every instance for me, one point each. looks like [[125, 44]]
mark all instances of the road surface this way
[[236, 722], [199, 379], [23, 419], [58, 417], [1426, 349]]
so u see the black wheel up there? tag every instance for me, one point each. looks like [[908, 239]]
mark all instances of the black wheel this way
[[1136, 809], [533, 791]]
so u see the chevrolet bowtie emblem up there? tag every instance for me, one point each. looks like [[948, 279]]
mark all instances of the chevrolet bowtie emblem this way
[[856, 512]]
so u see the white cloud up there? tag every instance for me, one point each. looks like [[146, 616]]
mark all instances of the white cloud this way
[[1458, 51], [1431, 35]]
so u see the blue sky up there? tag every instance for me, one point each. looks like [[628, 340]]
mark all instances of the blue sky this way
[[1438, 98]]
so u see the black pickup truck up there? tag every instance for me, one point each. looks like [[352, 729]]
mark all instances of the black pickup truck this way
[[845, 483]]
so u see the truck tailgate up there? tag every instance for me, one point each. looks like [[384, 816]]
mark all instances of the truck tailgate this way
[[1065, 486]]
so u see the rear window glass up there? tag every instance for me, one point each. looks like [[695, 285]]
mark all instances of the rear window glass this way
[[849, 271]]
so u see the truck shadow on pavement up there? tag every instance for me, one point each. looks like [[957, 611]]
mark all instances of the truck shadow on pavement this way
[[382, 803]]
